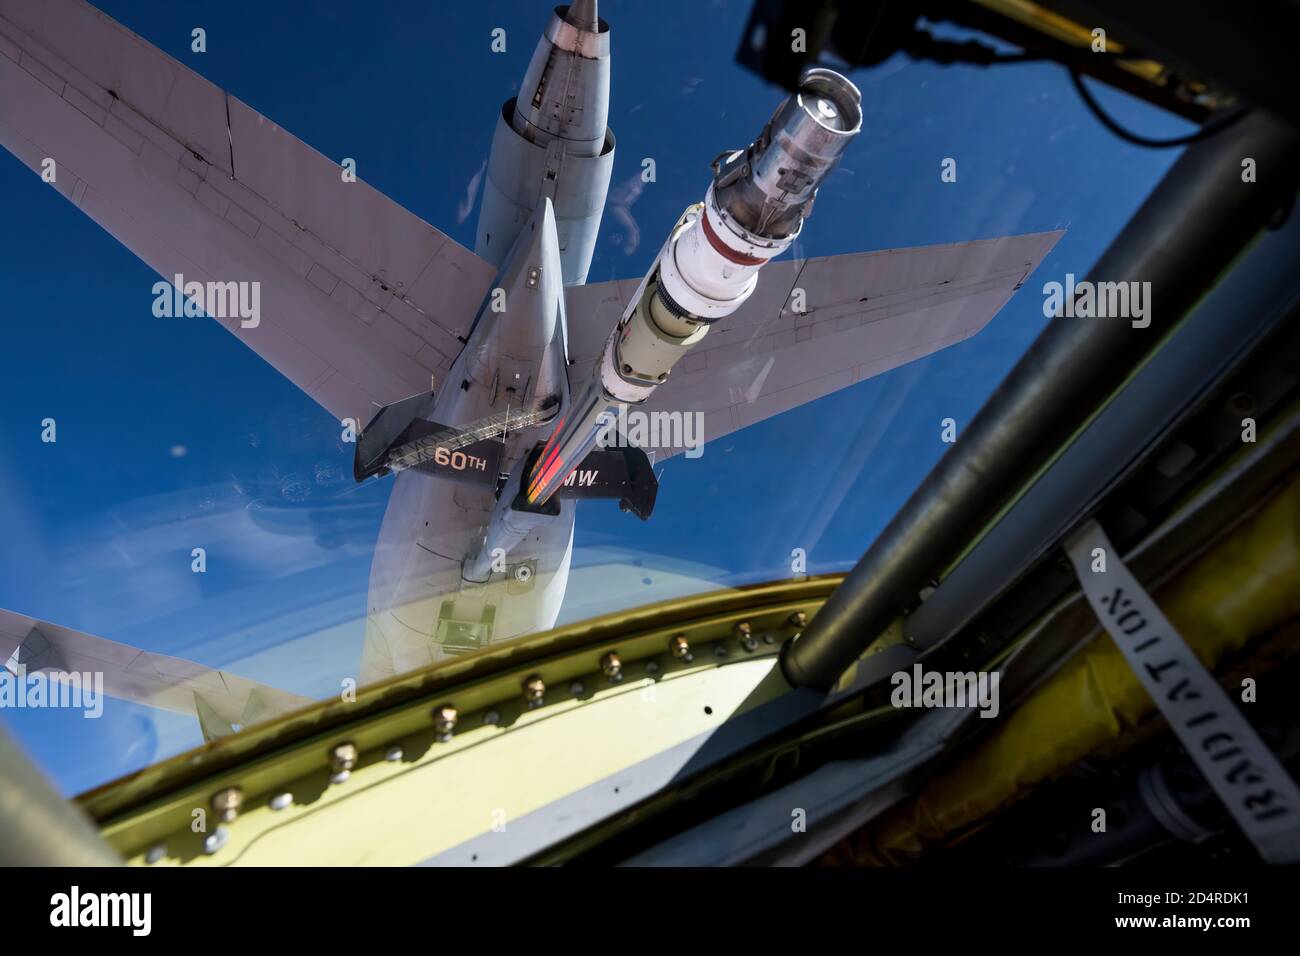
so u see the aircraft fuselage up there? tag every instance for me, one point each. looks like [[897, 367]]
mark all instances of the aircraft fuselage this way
[[455, 567]]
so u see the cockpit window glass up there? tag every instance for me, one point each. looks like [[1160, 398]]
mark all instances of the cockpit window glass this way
[[185, 518]]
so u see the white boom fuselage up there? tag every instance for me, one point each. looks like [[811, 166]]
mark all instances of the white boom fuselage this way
[[454, 567]]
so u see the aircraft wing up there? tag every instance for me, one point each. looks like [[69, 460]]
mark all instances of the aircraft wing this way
[[360, 300], [221, 701], [862, 314]]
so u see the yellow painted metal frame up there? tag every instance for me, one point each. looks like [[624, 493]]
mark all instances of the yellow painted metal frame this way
[[439, 794], [1246, 586]]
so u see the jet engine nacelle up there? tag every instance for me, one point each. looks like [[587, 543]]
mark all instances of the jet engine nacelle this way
[[552, 140]]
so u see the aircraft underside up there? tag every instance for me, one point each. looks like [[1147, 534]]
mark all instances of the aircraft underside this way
[[420, 607]]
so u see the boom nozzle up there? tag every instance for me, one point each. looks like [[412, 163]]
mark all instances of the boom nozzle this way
[[768, 189]]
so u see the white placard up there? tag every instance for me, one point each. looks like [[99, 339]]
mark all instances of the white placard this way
[[1248, 778]]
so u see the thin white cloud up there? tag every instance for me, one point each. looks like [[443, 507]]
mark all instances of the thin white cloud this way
[[471, 193], [621, 199]]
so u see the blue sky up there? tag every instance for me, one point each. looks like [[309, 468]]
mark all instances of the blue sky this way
[[98, 527]]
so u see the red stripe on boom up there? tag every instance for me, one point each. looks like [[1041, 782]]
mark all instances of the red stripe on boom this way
[[731, 255]]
